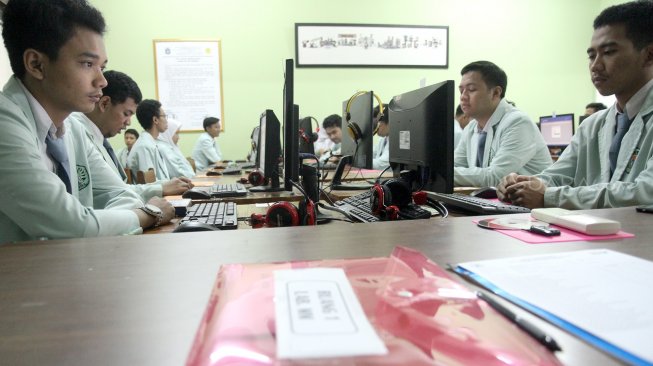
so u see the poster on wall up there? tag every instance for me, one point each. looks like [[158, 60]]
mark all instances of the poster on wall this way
[[189, 81]]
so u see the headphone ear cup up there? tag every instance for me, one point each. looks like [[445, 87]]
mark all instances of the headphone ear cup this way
[[355, 131], [256, 178], [376, 199], [307, 212], [282, 214], [312, 137], [400, 192]]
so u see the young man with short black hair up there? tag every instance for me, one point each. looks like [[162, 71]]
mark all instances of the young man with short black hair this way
[[609, 162], [207, 151]]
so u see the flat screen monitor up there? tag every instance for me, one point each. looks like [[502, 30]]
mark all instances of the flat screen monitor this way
[[269, 152], [357, 152], [557, 130], [290, 129], [306, 136], [421, 136]]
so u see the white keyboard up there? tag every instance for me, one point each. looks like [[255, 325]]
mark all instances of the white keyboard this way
[[586, 224]]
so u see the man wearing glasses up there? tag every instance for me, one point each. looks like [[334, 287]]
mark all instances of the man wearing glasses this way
[[144, 154]]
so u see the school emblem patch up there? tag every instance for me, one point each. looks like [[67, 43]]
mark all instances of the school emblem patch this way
[[83, 179]]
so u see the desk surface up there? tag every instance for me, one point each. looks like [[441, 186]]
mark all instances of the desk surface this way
[[137, 300]]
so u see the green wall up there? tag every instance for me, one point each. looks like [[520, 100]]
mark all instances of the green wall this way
[[540, 44]]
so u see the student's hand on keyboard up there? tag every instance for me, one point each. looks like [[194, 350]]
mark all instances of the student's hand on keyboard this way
[[522, 190], [176, 186]]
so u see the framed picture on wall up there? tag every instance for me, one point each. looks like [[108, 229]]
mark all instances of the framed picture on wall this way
[[189, 81], [371, 45]]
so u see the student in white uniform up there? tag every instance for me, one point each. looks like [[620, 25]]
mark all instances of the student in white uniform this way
[[111, 115], [178, 165], [207, 151], [130, 136], [500, 139], [461, 121], [609, 162], [381, 159], [332, 125], [55, 184], [145, 155]]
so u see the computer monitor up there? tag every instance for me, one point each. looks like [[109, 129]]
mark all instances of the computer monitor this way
[[290, 129], [306, 136], [268, 153], [557, 130], [358, 153], [421, 136]]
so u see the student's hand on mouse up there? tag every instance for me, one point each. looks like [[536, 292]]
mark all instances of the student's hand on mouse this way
[[522, 190], [176, 186], [165, 206]]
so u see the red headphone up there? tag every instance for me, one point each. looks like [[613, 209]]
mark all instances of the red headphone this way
[[388, 198], [309, 136], [284, 213], [256, 177]]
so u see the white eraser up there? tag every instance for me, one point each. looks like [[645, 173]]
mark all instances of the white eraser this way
[[586, 224]]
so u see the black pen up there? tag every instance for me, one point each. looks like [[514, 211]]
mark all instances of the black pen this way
[[545, 339]]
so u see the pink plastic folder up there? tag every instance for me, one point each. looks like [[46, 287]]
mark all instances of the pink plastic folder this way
[[422, 315]]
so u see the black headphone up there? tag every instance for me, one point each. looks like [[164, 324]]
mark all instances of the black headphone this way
[[310, 136], [284, 213], [354, 130], [388, 198]]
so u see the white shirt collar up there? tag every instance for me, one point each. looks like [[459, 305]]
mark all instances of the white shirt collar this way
[[634, 105], [44, 124], [95, 130]]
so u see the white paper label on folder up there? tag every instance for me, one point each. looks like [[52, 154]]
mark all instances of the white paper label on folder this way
[[318, 315]]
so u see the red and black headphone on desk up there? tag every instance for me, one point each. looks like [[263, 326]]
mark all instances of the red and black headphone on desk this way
[[354, 130], [310, 136], [286, 214], [390, 197]]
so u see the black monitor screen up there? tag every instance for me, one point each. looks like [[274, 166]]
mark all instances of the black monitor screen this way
[[421, 135], [557, 130], [269, 151], [360, 113], [290, 129]]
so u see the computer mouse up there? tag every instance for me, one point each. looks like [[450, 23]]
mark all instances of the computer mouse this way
[[196, 193], [212, 173], [485, 192], [190, 226]]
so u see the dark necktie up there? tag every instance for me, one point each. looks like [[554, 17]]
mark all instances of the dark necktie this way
[[57, 151], [113, 156], [622, 127], [481, 148]]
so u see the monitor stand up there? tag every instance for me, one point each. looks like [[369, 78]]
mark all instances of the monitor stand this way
[[273, 186], [338, 185], [310, 184]]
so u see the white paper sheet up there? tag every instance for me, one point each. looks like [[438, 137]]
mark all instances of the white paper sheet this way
[[318, 315], [606, 293]]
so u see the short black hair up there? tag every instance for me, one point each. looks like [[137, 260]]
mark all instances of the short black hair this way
[[146, 111], [637, 18], [596, 106], [491, 74], [210, 121], [120, 87], [132, 131], [384, 117], [333, 120], [44, 26], [459, 111]]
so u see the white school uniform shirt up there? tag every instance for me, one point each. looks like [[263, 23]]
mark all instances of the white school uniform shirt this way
[[122, 156], [381, 158], [513, 144], [146, 191], [145, 155], [206, 151], [580, 179], [35, 203], [178, 165]]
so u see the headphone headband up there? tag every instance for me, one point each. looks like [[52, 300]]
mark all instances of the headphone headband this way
[[356, 95]]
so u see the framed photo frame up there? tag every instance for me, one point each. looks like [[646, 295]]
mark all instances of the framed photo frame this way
[[371, 45], [188, 76]]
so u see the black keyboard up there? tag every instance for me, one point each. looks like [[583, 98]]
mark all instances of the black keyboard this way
[[359, 207], [231, 170], [228, 190], [223, 215], [247, 165], [477, 205]]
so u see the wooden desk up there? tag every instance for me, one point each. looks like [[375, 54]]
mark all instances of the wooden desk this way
[[137, 300]]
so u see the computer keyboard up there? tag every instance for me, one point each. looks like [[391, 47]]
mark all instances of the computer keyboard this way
[[246, 165], [477, 205], [360, 207], [231, 170], [228, 190], [223, 215]]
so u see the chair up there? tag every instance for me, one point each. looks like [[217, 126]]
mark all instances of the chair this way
[[145, 177], [192, 163], [128, 173]]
